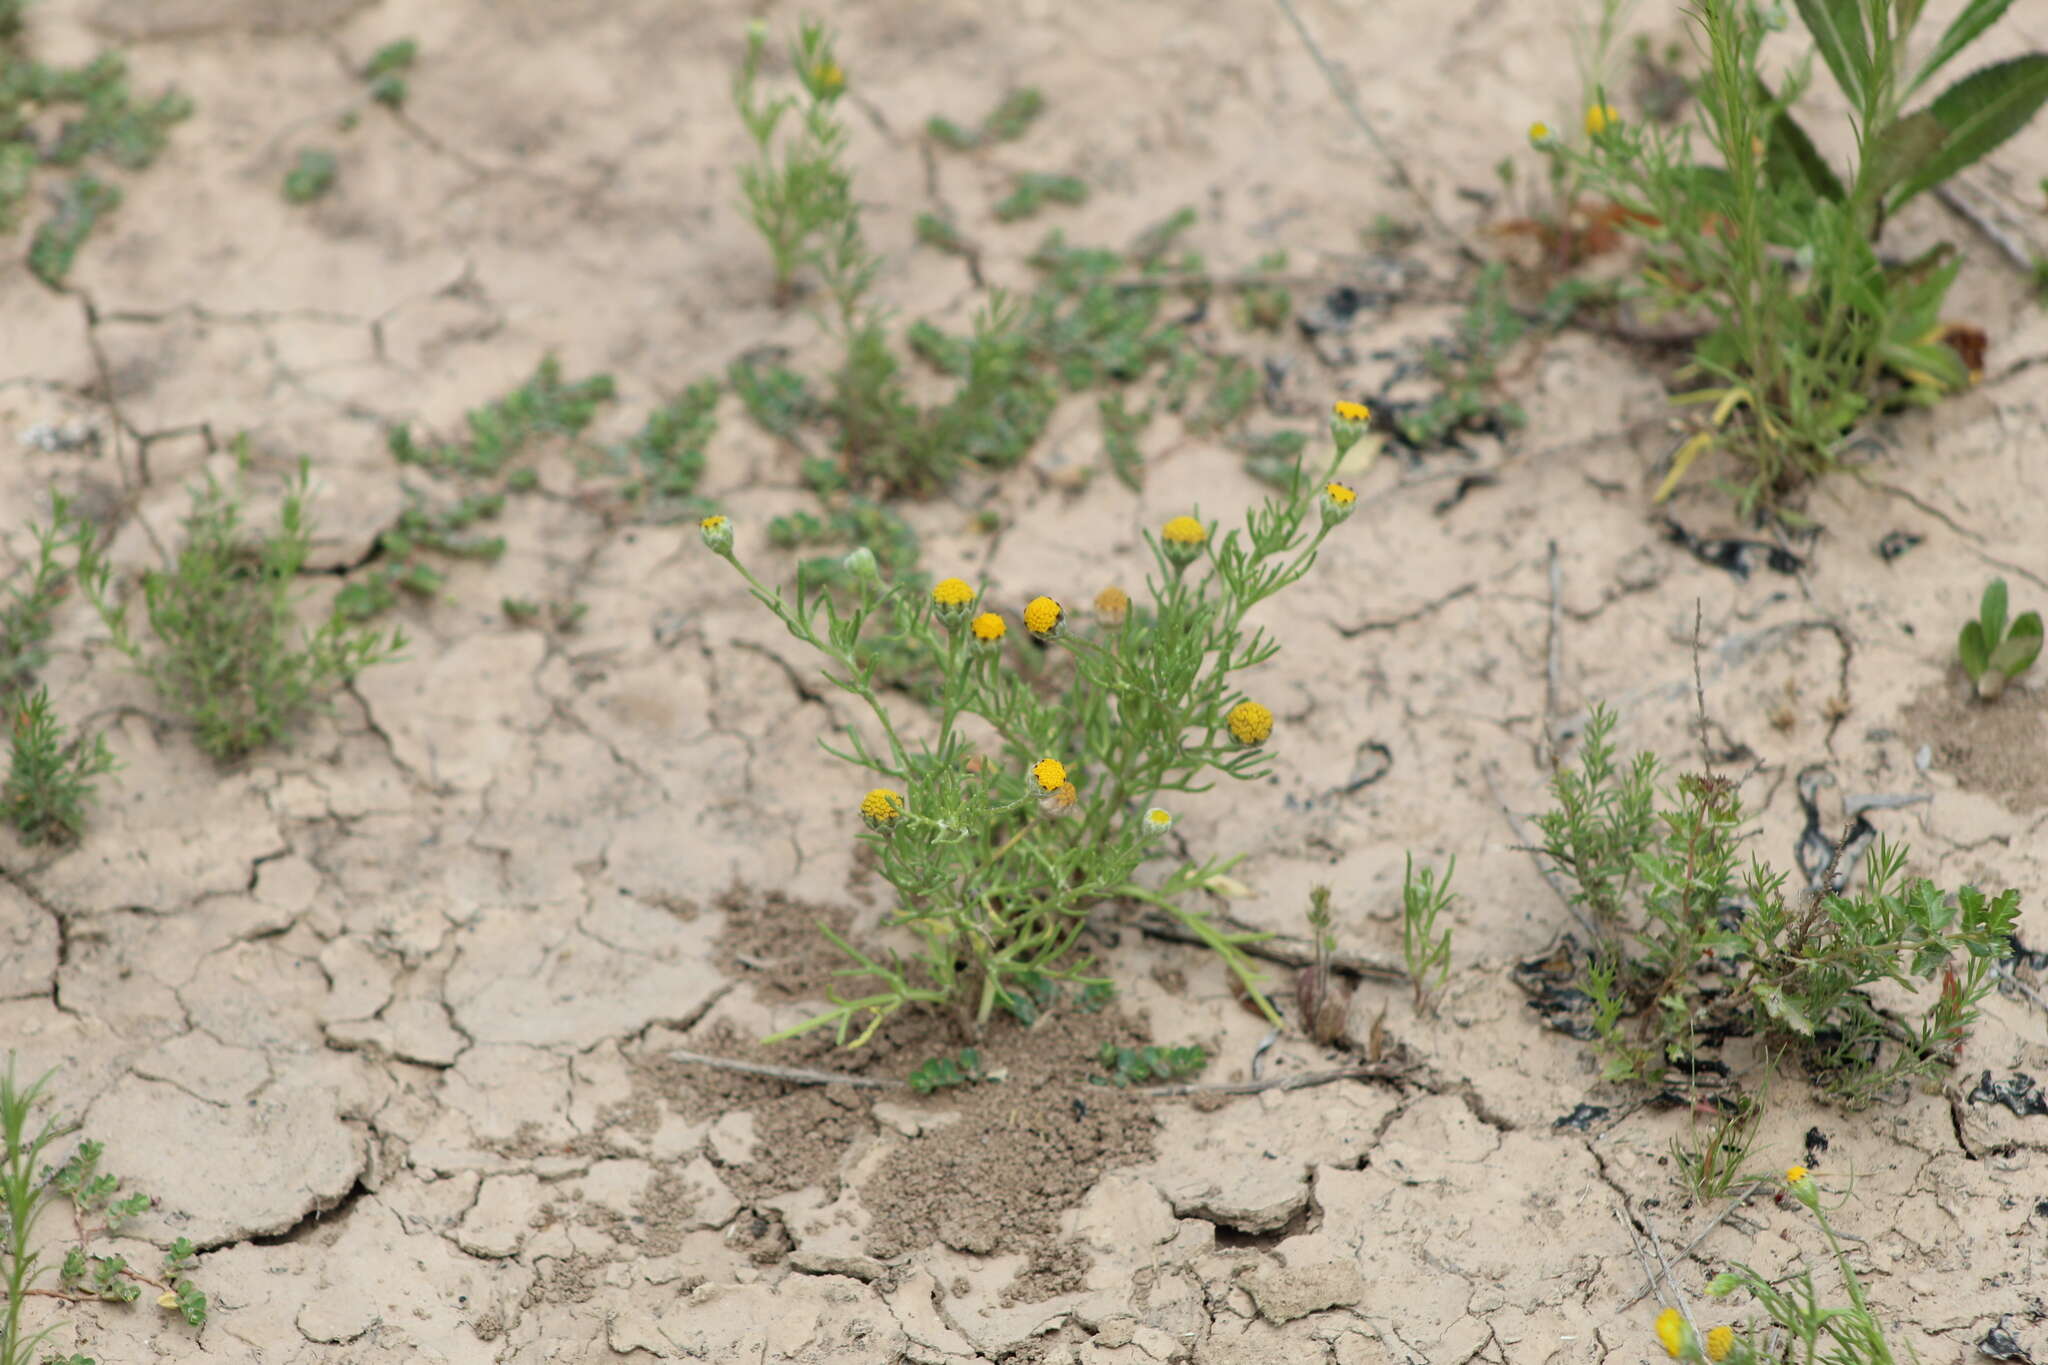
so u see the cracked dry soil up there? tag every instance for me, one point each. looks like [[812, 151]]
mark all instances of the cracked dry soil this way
[[385, 1020]]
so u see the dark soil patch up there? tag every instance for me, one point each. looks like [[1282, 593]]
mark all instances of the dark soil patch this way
[[771, 942], [1998, 748]]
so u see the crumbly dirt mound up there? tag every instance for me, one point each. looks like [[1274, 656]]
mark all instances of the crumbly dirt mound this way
[[1997, 748]]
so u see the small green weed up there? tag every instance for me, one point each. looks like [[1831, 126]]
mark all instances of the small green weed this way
[[1802, 1327], [1008, 121], [29, 1188], [29, 601], [668, 452], [942, 1073], [558, 618], [1149, 1065], [419, 530], [1993, 654], [229, 655], [500, 432], [55, 244], [50, 774], [386, 71], [311, 176], [1712, 1158], [1321, 998], [775, 396], [1031, 191], [995, 856], [1424, 898], [1799, 353], [1707, 948]]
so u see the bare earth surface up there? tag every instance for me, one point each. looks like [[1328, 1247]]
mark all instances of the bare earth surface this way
[[385, 1021]]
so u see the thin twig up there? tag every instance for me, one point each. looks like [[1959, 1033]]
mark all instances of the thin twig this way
[[1288, 952], [1535, 851], [1650, 1284], [799, 1075], [1699, 686], [1553, 663], [1341, 88], [1671, 1281], [1991, 232], [1371, 1071]]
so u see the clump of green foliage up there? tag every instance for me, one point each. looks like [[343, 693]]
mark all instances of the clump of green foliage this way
[[1798, 354], [50, 772], [1993, 654], [401, 567], [99, 118], [1029, 801], [499, 432], [1031, 191], [1700, 946], [942, 1073], [1713, 1157], [1009, 120], [667, 454], [1149, 1065], [311, 176], [386, 71], [29, 1187], [227, 653]]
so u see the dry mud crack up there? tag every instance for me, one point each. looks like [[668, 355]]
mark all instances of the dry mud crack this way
[[384, 1020]]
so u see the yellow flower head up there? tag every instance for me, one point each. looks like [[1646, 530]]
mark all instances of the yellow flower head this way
[[1539, 134], [1352, 412], [952, 600], [1671, 1331], [1050, 774], [1720, 1341], [1042, 617], [717, 533], [1061, 799], [1794, 1174], [1158, 821], [1112, 605], [989, 628], [881, 808], [1184, 531], [1601, 117], [1336, 502], [827, 79], [1250, 723]]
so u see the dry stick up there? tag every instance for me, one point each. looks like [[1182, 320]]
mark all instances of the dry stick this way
[[1684, 1311], [798, 1074], [1650, 1284], [1553, 663], [1369, 1071], [1992, 233], [1284, 951], [1699, 686], [1342, 90], [1535, 851]]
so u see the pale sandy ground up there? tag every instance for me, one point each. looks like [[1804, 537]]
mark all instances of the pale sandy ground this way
[[379, 1020]]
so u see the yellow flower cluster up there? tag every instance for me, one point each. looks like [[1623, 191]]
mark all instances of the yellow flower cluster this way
[[1042, 617], [1352, 412], [989, 628], [1050, 774], [881, 808], [1249, 723], [1673, 1334]]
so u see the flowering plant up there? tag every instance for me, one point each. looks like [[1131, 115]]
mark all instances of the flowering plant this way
[[1031, 795]]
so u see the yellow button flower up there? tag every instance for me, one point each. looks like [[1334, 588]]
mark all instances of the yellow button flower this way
[[881, 808], [1720, 1341], [1158, 821], [989, 628], [1112, 605], [952, 600], [1182, 539], [1336, 502], [1352, 412], [1601, 117], [1671, 1331], [1794, 1174], [1050, 774], [1539, 134], [1250, 723], [1042, 617], [717, 533]]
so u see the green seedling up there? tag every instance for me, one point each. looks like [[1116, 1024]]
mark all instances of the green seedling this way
[[1713, 1156], [500, 432], [1699, 946], [1120, 430], [24, 1197], [79, 207], [1027, 798], [1321, 998], [386, 70], [29, 600], [941, 234], [1424, 898], [668, 453], [1794, 358], [775, 396], [50, 773], [311, 176], [942, 1073], [1148, 1065], [228, 654], [557, 617], [1031, 191], [421, 529], [1993, 654], [1007, 122]]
